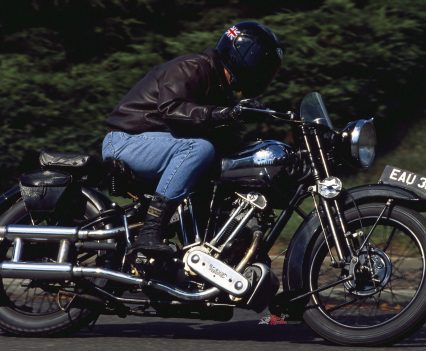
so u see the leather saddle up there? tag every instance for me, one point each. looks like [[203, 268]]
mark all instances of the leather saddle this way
[[115, 174]]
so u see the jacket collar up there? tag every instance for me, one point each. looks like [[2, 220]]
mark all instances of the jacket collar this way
[[220, 74]]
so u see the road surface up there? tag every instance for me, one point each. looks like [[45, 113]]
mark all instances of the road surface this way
[[242, 333]]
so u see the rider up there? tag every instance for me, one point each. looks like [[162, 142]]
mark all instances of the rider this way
[[161, 127]]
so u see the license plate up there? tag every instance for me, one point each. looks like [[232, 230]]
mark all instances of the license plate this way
[[404, 179]]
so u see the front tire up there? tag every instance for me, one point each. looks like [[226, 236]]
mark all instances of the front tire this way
[[376, 312]]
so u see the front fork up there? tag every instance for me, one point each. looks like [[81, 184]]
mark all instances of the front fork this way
[[348, 245], [339, 232], [341, 237]]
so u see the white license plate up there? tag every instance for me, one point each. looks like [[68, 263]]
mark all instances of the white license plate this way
[[404, 179]]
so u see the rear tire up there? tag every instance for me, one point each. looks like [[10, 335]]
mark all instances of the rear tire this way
[[373, 318], [26, 306]]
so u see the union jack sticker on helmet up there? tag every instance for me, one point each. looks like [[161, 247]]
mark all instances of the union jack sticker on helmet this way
[[232, 32]]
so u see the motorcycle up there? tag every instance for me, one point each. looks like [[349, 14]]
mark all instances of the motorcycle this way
[[353, 270]]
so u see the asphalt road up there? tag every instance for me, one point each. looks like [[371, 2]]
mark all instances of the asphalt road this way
[[242, 333]]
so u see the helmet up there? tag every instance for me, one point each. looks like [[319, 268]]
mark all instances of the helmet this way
[[252, 54]]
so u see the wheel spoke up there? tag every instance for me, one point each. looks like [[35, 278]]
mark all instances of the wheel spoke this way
[[343, 304], [371, 303], [389, 239]]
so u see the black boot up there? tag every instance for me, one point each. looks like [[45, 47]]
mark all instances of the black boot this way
[[150, 238]]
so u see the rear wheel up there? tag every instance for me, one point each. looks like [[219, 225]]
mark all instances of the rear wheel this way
[[387, 298], [39, 308]]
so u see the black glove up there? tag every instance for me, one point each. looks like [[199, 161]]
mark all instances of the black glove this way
[[251, 103], [223, 115]]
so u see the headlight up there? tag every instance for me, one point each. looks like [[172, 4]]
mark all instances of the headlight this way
[[359, 140]]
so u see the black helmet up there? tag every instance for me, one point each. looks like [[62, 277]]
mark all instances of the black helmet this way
[[252, 54]]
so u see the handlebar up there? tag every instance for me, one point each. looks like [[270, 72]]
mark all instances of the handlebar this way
[[288, 116]]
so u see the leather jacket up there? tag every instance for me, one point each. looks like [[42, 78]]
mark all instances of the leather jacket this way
[[177, 96]]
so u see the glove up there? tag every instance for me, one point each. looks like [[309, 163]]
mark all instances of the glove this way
[[223, 115], [251, 103]]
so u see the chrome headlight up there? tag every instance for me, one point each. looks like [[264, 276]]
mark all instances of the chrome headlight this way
[[359, 138]]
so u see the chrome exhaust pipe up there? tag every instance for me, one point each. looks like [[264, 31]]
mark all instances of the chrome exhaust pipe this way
[[95, 272], [184, 295], [29, 270], [66, 271], [13, 231], [62, 271]]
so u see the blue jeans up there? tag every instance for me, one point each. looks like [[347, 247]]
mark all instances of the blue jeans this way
[[176, 163]]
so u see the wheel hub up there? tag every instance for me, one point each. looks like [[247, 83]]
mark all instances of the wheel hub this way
[[371, 271]]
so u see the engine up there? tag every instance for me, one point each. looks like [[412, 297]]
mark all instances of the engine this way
[[240, 218], [223, 261]]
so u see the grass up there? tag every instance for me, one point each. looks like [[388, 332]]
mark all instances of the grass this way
[[410, 154]]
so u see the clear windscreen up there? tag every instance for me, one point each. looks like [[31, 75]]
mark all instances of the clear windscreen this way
[[312, 110]]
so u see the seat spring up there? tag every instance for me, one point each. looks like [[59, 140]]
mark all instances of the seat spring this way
[[114, 186]]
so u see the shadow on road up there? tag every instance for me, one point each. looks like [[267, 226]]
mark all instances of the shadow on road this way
[[229, 331], [232, 331]]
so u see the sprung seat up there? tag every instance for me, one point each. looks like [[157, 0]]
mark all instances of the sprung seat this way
[[80, 166]]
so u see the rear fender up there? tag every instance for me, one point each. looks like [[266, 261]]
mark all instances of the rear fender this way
[[100, 200], [9, 197], [296, 262]]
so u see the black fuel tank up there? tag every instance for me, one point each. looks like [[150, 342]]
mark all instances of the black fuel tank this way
[[259, 164]]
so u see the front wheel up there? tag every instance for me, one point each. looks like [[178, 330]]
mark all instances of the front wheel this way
[[386, 300]]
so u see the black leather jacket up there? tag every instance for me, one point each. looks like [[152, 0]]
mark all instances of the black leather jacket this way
[[177, 96]]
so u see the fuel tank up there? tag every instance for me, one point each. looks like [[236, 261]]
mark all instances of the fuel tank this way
[[260, 164]]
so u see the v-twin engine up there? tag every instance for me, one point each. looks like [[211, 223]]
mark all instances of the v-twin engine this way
[[201, 259], [207, 260]]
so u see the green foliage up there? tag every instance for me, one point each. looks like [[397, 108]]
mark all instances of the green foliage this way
[[65, 64]]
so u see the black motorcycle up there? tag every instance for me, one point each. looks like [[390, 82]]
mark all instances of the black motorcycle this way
[[354, 270]]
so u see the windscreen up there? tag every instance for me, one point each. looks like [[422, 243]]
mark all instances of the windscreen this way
[[312, 110]]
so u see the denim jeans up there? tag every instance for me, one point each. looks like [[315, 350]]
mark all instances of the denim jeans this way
[[176, 163]]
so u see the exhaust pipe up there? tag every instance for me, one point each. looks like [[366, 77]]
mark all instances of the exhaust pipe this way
[[62, 271], [66, 271], [184, 295], [13, 231]]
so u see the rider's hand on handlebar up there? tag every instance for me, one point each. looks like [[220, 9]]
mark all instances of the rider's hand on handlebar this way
[[252, 103], [232, 114], [223, 115]]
